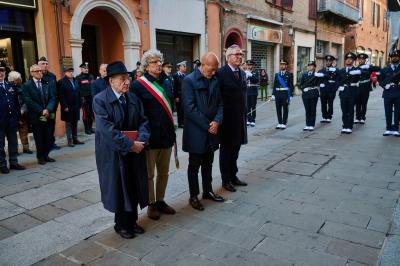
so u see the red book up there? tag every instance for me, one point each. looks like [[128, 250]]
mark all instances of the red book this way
[[132, 135]]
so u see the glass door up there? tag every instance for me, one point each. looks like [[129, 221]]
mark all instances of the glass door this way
[[6, 53], [28, 56]]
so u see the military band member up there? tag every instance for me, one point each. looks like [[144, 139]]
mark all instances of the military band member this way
[[84, 81], [309, 87], [390, 82], [349, 77], [252, 79], [328, 88], [283, 86], [364, 87]]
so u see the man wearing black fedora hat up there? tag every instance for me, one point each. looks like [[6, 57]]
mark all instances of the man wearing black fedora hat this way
[[122, 132], [328, 87], [349, 78], [390, 82]]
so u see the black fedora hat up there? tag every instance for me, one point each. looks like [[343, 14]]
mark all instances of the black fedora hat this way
[[115, 68]]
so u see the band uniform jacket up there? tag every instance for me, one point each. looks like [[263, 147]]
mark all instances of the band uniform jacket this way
[[309, 81], [349, 79], [328, 84], [288, 78], [390, 83]]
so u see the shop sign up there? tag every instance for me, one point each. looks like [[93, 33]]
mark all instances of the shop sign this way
[[258, 33], [20, 3]]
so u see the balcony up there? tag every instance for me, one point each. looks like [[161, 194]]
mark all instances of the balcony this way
[[340, 8]]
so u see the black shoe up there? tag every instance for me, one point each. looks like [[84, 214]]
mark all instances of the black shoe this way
[[92, 130], [17, 167], [195, 203], [237, 182], [41, 161], [55, 147], [4, 170], [180, 126], [28, 151], [124, 233], [137, 229], [77, 142], [70, 143], [163, 207], [212, 196], [49, 160], [88, 132], [228, 186]]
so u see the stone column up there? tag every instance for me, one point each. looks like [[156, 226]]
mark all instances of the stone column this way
[[131, 54], [76, 52]]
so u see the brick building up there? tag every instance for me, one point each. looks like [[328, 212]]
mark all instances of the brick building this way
[[370, 35]]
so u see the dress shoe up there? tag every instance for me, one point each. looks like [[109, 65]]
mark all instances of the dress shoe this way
[[137, 229], [55, 147], [152, 212], [124, 233], [88, 132], [228, 186], [4, 170], [41, 161], [92, 130], [70, 143], [77, 142], [164, 208], [212, 196], [49, 160], [28, 151], [195, 203], [237, 182], [17, 167]]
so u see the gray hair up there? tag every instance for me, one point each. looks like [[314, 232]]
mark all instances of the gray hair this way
[[103, 64], [33, 67], [147, 56], [230, 49], [13, 76]]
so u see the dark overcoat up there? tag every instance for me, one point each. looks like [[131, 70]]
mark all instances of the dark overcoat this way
[[70, 98], [202, 104], [111, 147], [233, 131], [33, 100], [98, 85]]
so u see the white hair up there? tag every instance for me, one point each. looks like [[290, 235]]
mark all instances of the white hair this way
[[103, 65], [230, 49], [13, 76], [147, 56]]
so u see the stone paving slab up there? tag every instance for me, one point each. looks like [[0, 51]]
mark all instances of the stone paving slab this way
[[8, 209]]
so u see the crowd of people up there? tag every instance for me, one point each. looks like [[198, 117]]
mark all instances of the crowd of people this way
[[135, 133]]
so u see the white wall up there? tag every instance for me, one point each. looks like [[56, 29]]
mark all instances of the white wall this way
[[177, 15], [304, 40]]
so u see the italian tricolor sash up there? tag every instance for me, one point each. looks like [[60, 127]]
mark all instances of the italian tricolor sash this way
[[159, 93]]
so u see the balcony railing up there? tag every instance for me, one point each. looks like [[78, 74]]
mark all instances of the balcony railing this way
[[339, 8]]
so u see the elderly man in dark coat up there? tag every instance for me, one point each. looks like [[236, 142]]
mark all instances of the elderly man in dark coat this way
[[233, 131], [202, 104], [70, 99], [120, 157]]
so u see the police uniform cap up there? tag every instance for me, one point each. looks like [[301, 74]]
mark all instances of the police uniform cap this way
[[311, 63], [330, 57], [283, 62], [362, 56], [183, 63], [350, 55], [249, 62], [85, 65]]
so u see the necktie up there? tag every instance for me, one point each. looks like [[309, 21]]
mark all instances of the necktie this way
[[39, 85], [2, 86], [122, 100], [236, 74]]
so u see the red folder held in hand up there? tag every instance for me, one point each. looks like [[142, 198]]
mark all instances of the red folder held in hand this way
[[132, 135]]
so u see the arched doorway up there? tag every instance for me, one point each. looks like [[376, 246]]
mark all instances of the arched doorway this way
[[127, 24], [233, 36]]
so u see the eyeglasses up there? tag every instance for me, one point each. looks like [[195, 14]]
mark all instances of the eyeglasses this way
[[237, 54], [155, 62], [35, 71]]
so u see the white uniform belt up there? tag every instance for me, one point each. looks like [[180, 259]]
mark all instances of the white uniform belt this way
[[309, 88], [331, 81], [364, 81], [282, 89], [352, 84]]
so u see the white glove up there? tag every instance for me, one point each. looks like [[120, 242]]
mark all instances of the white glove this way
[[333, 69], [366, 66], [248, 74], [388, 86], [355, 72], [341, 88], [322, 85], [305, 89], [319, 75]]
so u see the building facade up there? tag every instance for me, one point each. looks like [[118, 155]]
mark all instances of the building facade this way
[[370, 35]]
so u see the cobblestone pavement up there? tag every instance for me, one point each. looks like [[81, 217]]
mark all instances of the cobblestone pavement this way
[[316, 198]]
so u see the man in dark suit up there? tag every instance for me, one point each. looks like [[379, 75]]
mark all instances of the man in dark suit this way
[[178, 78], [9, 118], [201, 100], [390, 82], [120, 160], [100, 83], [283, 87], [349, 78], [233, 131], [40, 101], [328, 88], [70, 99]]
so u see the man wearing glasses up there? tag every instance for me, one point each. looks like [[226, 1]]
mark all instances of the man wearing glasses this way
[[233, 129], [40, 101]]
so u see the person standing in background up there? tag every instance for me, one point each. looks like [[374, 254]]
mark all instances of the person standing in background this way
[[264, 82], [178, 78], [84, 82]]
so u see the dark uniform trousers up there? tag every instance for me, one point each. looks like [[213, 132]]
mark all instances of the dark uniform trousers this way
[[347, 106], [179, 112], [310, 105], [282, 105], [228, 155], [11, 135], [362, 100], [43, 136], [195, 162], [391, 103], [251, 108], [87, 112], [327, 105]]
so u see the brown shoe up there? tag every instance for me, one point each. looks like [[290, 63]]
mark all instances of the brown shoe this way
[[152, 212], [78, 142], [164, 208], [195, 203]]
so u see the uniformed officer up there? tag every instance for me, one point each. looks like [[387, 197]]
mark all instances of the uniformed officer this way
[[349, 77], [328, 87], [282, 91], [390, 81], [365, 86], [178, 79], [310, 93], [252, 81], [84, 80]]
